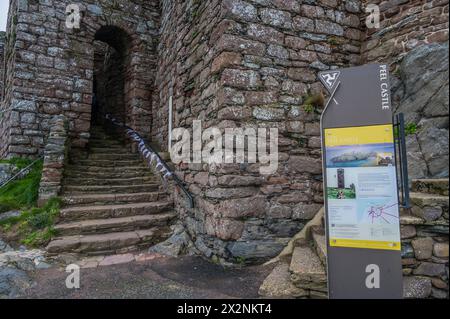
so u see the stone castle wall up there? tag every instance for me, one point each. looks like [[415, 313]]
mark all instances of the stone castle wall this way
[[248, 64], [255, 67], [54, 68], [8, 67], [2, 62], [405, 25], [413, 38], [425, 251]]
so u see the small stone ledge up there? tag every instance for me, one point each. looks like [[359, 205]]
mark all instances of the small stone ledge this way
[[55, 156]]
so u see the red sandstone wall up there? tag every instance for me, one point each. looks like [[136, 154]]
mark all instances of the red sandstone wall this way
[[50, 69], [9, 57], [252, 64], [2, 62]]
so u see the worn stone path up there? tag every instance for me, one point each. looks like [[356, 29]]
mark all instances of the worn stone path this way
[[154, 278]]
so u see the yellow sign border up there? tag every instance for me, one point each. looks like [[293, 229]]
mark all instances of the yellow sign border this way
[[363, 135], [368, 244]]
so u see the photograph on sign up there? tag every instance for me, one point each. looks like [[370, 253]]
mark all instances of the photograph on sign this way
[[361, 188]]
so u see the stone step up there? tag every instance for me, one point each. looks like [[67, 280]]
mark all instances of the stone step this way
[[99, 139], [429, 207], [110, 163], [422, 200], [279, 285], [113, 225], [110, 175], [307, 271], [109, 199], [113, 211], [97, 142], [110, 145], [320, 243], [114, 157], [78, 168], [107, 150], [431, 186], [102, 189], [110, 181], [110, 243]]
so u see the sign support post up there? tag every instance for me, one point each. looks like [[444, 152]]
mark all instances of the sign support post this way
[[360, 185]]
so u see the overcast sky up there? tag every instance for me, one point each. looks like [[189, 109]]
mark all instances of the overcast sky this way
[[4, 4]]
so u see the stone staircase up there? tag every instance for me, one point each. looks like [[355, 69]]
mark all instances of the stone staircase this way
[[112, 202], [300, 270]]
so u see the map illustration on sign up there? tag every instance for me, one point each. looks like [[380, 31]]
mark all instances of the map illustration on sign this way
[[382, 214], [361, 188]]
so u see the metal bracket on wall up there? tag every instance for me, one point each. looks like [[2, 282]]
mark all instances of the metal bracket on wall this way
[[402, 160]]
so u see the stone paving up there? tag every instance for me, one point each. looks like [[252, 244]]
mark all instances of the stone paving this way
[[102, 261]]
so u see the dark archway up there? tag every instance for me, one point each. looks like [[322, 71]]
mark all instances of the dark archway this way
[[112, 70]]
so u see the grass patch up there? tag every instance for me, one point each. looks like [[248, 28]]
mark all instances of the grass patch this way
[[22, 193], [35, 226]]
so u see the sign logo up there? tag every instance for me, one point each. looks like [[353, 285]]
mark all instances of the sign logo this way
[[330, 78]]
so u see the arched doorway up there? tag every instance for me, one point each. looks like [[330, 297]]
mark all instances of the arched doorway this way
[[112, 71]]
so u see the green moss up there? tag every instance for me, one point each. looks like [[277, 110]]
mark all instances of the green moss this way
[[312, 102], [240, 260], [309, 108], [23, 193], [411, 128], [334, 41], [317, 100]]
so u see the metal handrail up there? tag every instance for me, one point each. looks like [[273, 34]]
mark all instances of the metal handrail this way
[[19, 173], [169, 173]]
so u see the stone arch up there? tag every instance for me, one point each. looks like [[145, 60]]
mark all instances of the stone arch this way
[[132, 36], [132, 86]]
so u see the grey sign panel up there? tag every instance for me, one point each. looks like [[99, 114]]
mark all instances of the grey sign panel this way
[[360, 102], [362, 97]]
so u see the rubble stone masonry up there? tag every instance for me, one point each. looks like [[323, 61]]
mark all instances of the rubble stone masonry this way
[[237, 64], [2, 61]]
